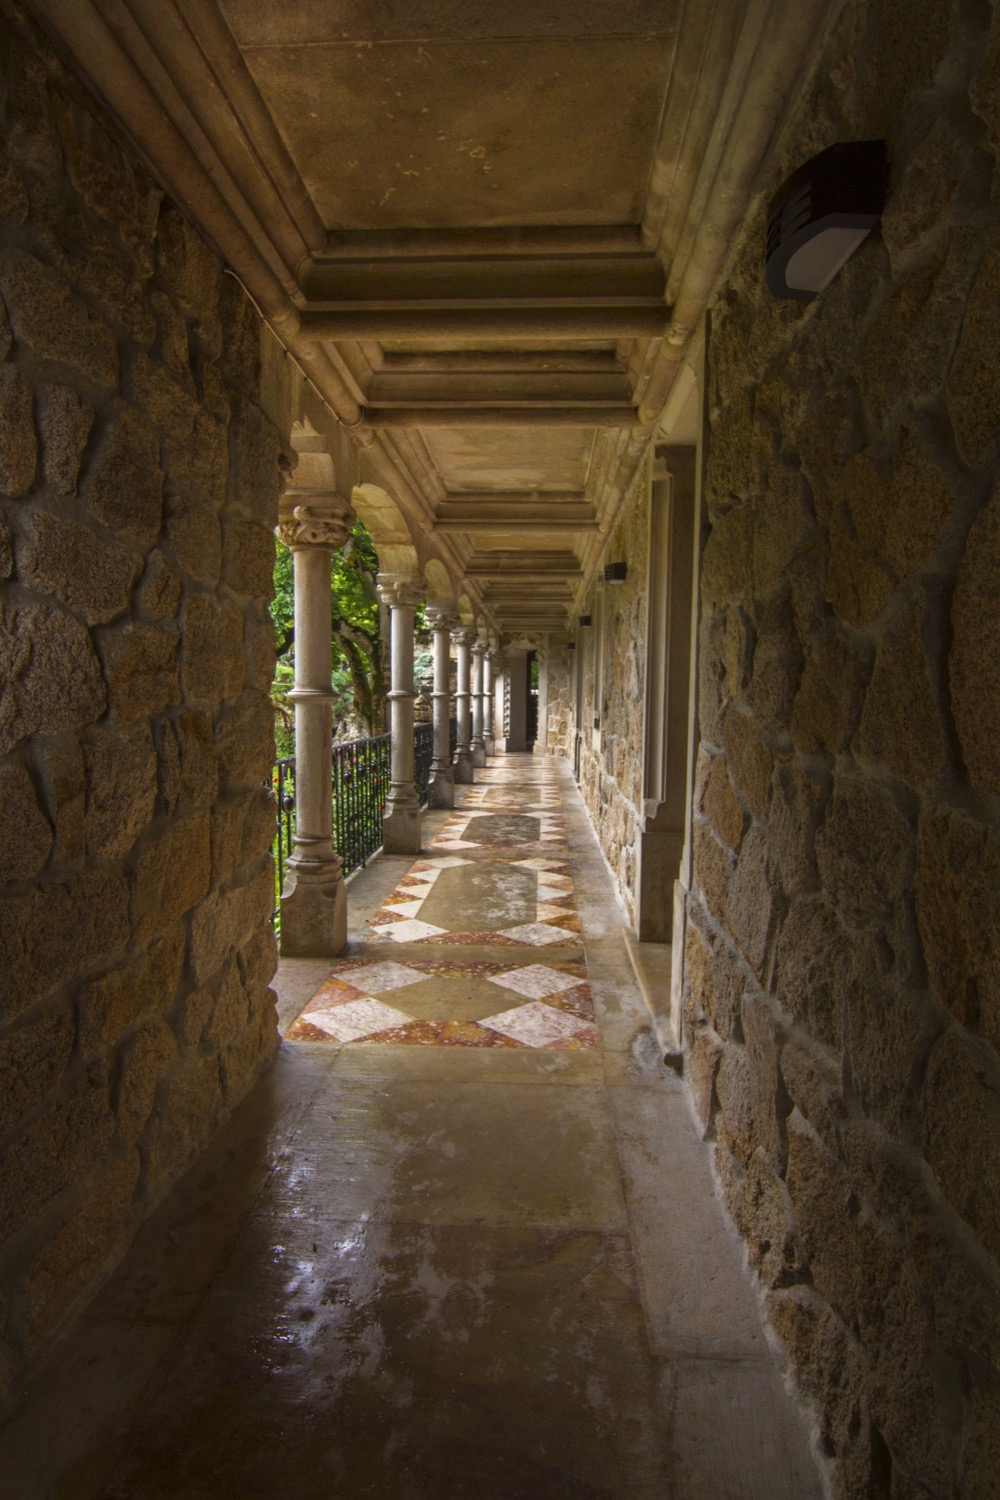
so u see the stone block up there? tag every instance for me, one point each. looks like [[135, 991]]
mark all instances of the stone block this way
[[720, 806], [140, 664], [751, 907], [749, 761], [64, 424], [188, 771], [241, 361], [777, 664], [244, 742], [228, 820], [825, 1211], [50, 677], [827, 433], [169, 407], [738, 640], [231, 1009], [255, 474], [728, 458], [975, 690], [248, 564], [795, 811], [812, 958], [172, 333], [193, 271], [145, 1058], [813, 1086], [116, 192], [782, 527], [697, 971], [712, 868], [766, 1219], [958, 911], [172, 875], [243, 1060], [27, 841], [974, 380], [190, 1108], [84, 1246], [6, 552], [64, 783], [919, 508], [34, 1057], [726, 568], [60, 557], [124, 487], [48, 318], [18, 443], [109, 1006], [258, 647], [15, 204], [734, 1087], [713, 694], [213, 649], [862, 850], [54, 1149], [198, 455], [859, 582], [828, 702], [121, 788], [960, 1117], [226, 920], [158, 594], [258, 959], [769, 1100], [194, 534], [900, 725]]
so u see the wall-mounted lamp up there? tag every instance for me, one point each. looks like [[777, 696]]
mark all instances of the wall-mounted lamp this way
[[616, 572], [820, 215], [585, 622], [571, 645]]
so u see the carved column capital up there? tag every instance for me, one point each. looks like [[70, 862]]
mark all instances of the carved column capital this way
[[440, 617], [397, 590], [464, 635], [320, 521]]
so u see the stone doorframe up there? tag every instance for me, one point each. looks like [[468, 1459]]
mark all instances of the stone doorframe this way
[[669, 593]]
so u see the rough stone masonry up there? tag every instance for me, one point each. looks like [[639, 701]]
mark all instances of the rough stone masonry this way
[[139, 479]]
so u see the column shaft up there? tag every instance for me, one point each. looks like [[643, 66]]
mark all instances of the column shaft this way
[[401, 820], [489, 703], [441, 791], [463, 638], [478, 744]]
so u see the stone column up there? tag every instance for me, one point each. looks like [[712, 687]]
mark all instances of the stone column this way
[[478, 744], [314, 898], [489, 701], [401, 820], [463, 638], [441, 790]]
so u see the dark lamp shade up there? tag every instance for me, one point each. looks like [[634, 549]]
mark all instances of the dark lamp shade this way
[[585, 622], [616, 572], [820, 215]]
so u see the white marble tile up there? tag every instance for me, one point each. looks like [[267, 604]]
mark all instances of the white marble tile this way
[[410, 930], [545, 911], [356, 1019], [373, 979], [536, 1025], [535, 981], [446, 862], [536, 934], [405, 908]]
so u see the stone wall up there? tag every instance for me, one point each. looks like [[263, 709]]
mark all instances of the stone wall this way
[[843, 952], [138, 489], [560, 665], [611, 768]]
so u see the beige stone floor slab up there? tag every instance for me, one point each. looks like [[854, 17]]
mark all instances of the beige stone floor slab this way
[[433, 1272]]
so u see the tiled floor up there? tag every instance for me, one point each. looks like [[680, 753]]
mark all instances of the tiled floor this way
[[461, 1243]]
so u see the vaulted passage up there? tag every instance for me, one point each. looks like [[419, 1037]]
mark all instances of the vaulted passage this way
[[461, 1242]]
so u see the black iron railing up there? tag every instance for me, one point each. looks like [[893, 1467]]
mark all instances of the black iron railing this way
[[359, 789], [423, 754]]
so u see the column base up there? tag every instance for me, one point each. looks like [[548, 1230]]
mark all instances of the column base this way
[[490, 744], [478, 754], [313, 912], [463, 768], [401, 829], [441, 789]]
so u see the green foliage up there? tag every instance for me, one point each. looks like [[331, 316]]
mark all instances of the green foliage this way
[[358, 668]]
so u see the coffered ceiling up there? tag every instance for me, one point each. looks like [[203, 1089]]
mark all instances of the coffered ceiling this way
[[487, 232]]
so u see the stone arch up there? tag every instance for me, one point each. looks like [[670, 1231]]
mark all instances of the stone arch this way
[[437, 584], [388, 530]]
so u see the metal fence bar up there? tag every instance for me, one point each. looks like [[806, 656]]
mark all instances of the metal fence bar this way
[[423, 754]]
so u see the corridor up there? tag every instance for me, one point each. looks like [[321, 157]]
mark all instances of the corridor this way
[[460, 1242]]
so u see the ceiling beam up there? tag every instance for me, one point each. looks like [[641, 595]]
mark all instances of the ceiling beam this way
[[503, 522], [548, 321], [465, 388], [501, 416]]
